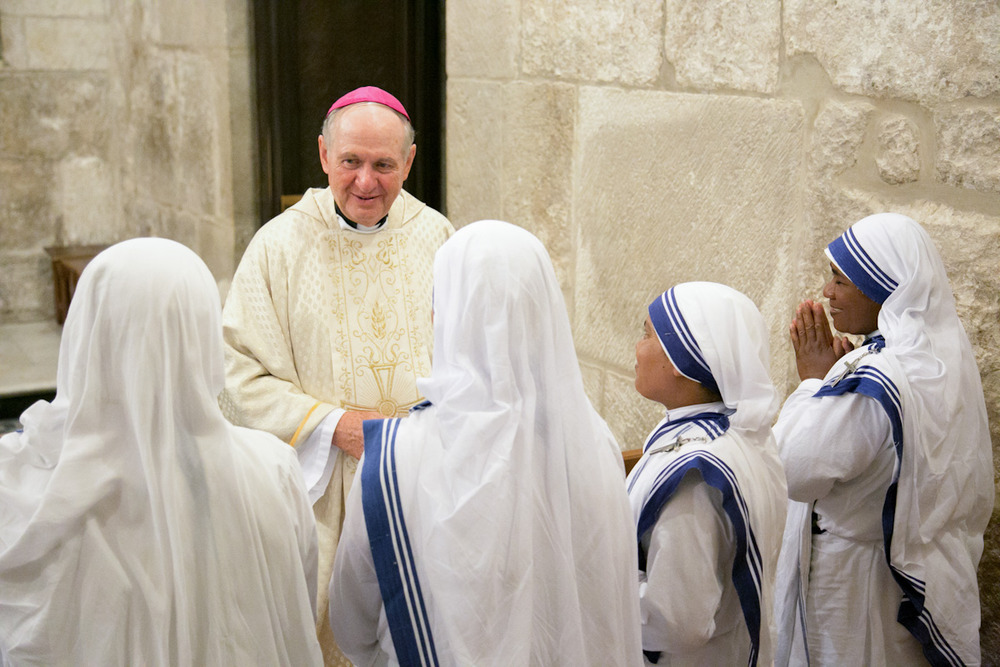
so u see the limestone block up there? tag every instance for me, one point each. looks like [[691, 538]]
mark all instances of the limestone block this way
[[214, 244], [26, 287], [898, 159], [927, 51], [13, 42], [593, 40], [674, 187], [630, 416], [718, 44], [474, 151], [239, 26], [244, 160], [203, 106], [153, 129], [57, 8], [28, 216], [47, 115], [66, 43], [593, 384], [88, 201], [837, 135], [142, 217], [180, 225], [537, 166], [482, 38], [968, 142], [200, 24]]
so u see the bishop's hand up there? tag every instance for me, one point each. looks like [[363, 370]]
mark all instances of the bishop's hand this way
[[349, 434]]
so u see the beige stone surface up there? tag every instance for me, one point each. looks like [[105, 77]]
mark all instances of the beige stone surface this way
[[671, 188], [195, 23], [968, 141], [524, 174], [214, 245], [474, 151], [836, 136], [483, 38], [717, 44], [50, 114], [59, 8], [202, 120], [117, 124], [28, 218], [62, 44], [25, 287], [630, 416], [242, 127], [593, 384], [537, 166], [927, 51], [13, 41], [593, 40], [89, 201], [898, 160]]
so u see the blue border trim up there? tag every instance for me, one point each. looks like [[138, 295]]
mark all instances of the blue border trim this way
[[678, 341], [712, 424], [913, 613], [860, 268], [390, 545], [747, 567]]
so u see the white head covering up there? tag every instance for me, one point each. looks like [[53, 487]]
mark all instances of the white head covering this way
[[137, 526], [944, 473], [715, 335], [512, 486]]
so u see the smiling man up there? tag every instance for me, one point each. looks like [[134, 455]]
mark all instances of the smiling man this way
[[328, 319], [888, 460]]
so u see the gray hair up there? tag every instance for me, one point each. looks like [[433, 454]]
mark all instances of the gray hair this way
[[409, 134]]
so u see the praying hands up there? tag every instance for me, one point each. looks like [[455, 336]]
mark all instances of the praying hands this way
[[816, 348]]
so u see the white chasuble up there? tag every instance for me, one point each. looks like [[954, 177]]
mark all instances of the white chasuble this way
[[321, 317]]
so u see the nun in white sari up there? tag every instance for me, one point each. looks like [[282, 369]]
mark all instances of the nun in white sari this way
[[890, 456], [708, 494], [137, 526], [491, 526]]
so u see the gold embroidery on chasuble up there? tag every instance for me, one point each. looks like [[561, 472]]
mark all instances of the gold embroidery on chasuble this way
[[380, 335]]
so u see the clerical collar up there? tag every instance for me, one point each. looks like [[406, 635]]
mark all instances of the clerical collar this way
[[347, 223]]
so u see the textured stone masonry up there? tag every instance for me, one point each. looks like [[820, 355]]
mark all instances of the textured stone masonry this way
[[645, 142], [730, 142]]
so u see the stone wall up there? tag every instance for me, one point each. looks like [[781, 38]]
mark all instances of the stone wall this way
[[118, 120], [649, 142]]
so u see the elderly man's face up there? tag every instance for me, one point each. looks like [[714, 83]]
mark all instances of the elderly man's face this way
[[366, 161]]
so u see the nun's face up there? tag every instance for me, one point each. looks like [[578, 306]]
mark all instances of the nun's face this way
[[851, 310], [655, 376]]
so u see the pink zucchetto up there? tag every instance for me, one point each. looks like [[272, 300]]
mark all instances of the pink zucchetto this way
[[369, 94]]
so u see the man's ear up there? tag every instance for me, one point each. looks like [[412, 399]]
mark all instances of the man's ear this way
[[324, 159], [409, 161]]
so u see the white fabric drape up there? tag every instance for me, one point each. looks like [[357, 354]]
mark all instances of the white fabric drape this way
[[691, 610], [512, 486], [137, 526], [926, 381]]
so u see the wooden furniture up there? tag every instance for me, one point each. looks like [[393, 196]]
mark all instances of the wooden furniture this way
[[68, 263], [631, 457]]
